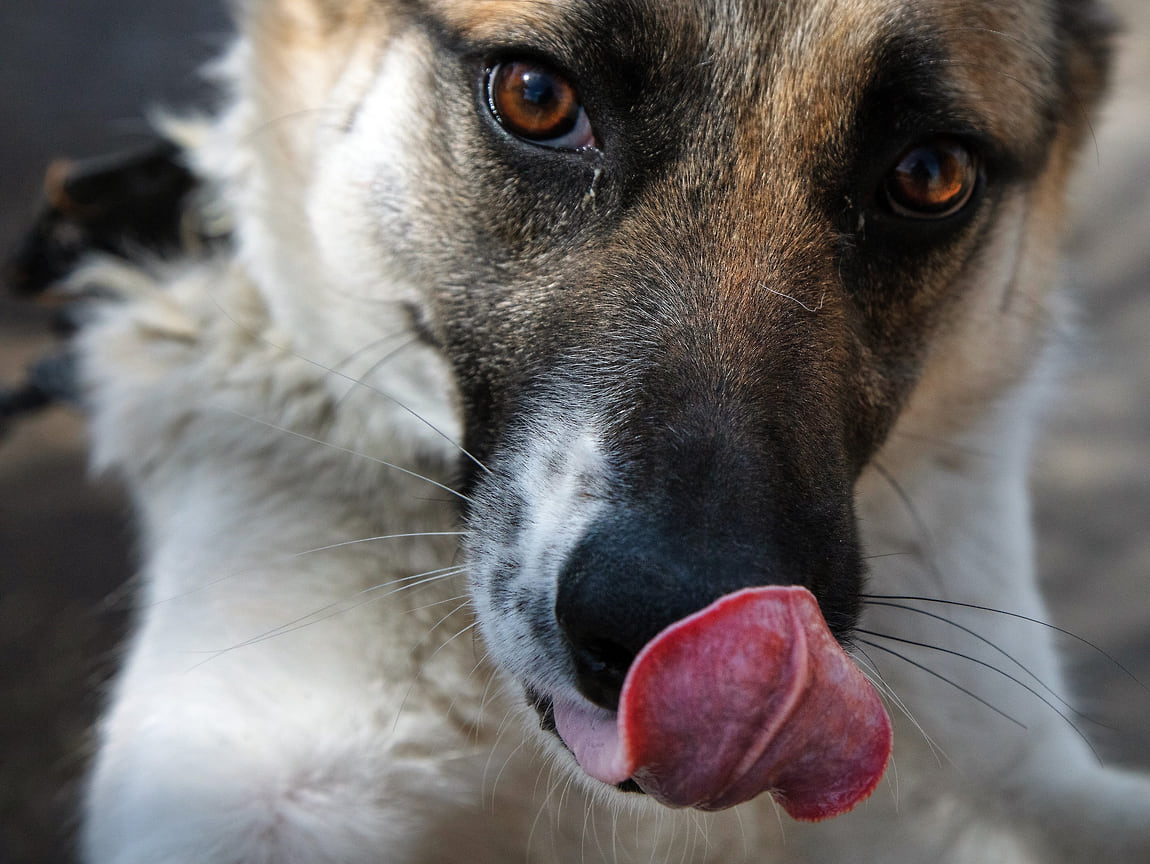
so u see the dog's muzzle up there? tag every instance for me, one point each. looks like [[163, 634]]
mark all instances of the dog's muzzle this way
[[751, 694]]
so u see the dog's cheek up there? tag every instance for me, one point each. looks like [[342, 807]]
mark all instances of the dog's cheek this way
[[370, 182]]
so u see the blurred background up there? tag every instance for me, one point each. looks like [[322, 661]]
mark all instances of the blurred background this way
[[76, 79]]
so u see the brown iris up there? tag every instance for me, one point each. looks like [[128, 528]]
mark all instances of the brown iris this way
[[932, 180], [532, 101]]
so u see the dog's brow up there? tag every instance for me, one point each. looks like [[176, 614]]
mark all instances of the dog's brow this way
[[485, 20]]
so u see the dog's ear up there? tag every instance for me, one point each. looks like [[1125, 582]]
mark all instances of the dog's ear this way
[[1088, 28]]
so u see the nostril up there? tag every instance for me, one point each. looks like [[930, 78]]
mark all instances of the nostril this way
[[600, 670], [599, 608]]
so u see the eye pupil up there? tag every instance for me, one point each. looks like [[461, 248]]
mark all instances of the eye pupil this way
[[539, 89], [932, 180], [533, 102]]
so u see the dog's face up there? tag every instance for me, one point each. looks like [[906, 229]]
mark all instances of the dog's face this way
[[688, 263]]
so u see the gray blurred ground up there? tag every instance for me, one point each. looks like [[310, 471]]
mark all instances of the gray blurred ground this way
[[74, 79]]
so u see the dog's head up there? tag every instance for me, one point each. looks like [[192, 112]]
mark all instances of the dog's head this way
[[687, 263]]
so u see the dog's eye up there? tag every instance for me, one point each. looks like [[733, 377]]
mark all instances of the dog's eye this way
[[539, 105], [932, 180]]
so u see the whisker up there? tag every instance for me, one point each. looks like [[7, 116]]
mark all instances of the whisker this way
[[340, 448], [351, 356], [236, 573], [587, 822], [477, 720], [944, 443], [999, 649], [793, 299], [355, 354], [945, 680], [361, 381], [743, 833], [282, 119], [459, 608], [920, 524], [992, 668], [502, 768], [398, 403], [879, 556], [545, 803], [564, 796], [1061, 630], [423, 665], [875, 676], [454, 599], [594, 818], [494, 786], [487, 688], [311, 618], [379, 537]]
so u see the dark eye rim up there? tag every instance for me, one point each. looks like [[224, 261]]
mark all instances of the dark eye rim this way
[[970, 194], [490, 67]]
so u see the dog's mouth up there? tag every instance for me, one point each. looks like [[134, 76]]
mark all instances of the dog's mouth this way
[[752, 694]]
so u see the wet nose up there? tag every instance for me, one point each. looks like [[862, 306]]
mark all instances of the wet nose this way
[[620, 589]]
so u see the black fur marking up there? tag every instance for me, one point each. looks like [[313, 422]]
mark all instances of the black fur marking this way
[[126, 204], [133, 206]]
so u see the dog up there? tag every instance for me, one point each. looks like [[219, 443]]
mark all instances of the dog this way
[[603, 435]]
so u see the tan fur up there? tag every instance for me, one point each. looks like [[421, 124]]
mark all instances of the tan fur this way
[[487, 19]]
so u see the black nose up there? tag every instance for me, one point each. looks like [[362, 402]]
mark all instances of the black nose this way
[[621, 588]]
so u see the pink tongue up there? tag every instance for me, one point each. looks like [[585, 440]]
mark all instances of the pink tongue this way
[[752, 694]]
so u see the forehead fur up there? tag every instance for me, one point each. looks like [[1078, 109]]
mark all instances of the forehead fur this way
[[486, 19], [999, 56], [993, 52]]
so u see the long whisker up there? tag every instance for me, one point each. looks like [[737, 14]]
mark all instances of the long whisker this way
[[502, 768], [361, 381], [379, 537], [943, 443], [875, 676], [1061, 630], [505, 725], [945, 680], [992, 645], [341, 607], [487, 695], [919, 523], [364, 349], [880, 555], [545, 800], [992, 668], [432, 605], [423, 664], [347, 450], [236, 573], [397, 402], [478, 718]]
